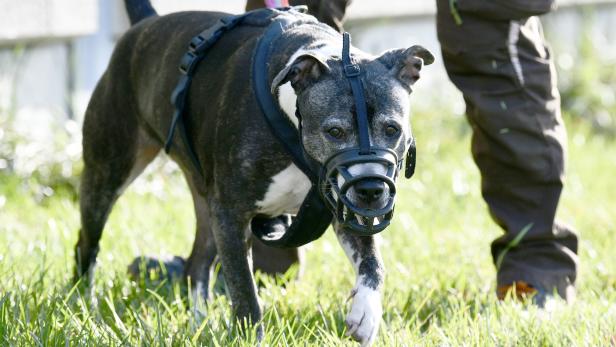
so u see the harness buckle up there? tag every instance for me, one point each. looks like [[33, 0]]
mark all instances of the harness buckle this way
[[195, 42], [188, 62], [226, 21], [352, 70]]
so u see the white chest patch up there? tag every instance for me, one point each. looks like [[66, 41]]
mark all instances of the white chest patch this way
[[286, 192]]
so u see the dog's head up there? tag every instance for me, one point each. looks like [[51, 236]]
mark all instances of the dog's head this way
[[328, 110]]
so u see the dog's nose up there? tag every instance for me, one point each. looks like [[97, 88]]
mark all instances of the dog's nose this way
[[369, 190]]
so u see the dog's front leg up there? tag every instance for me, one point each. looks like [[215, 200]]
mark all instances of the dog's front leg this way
[[229, 228], [365, 316]]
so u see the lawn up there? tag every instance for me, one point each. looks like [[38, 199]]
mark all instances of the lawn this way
[[439, 287]]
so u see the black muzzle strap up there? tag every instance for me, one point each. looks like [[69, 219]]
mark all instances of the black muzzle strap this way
[[411, 160], [352, 72]]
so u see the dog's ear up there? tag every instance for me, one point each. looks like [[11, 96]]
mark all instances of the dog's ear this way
[[405, 64], [301, 72]]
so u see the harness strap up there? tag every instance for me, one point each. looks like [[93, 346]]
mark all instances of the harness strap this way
[[197, 48], [313, 217], [280, 126]]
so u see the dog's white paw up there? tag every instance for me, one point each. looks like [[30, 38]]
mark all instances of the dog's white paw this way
[[365, 316]]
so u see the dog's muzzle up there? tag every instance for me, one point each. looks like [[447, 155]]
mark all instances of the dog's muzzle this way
[[361, 220]]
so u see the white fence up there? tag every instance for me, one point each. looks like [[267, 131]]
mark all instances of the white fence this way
[[52, 52]]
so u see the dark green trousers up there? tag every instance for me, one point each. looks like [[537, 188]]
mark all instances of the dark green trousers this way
[[495, 53]]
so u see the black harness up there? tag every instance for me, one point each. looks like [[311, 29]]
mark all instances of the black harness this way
[[325, 199]]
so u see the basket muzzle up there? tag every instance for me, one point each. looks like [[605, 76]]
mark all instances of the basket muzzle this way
[[338, 182]]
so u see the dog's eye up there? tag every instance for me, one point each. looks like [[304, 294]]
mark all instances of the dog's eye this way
[[391, 131], [335, 132]]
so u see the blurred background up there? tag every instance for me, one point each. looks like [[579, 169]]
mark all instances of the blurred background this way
[[440, 286], [52, 53]]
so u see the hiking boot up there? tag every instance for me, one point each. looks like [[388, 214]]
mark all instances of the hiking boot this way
[[523, 291]]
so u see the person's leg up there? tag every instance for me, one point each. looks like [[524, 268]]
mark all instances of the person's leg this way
[[330, 12], [498, 59]]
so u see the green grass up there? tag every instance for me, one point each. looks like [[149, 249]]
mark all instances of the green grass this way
[[439, 285]]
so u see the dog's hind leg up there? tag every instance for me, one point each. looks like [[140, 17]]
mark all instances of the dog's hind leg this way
[[113, 158], [364, 317], [198, 265]]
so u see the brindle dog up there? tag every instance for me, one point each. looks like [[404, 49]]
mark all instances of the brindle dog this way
[[246, 171]]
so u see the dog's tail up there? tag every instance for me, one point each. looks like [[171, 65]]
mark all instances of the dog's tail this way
[[139, 10]]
